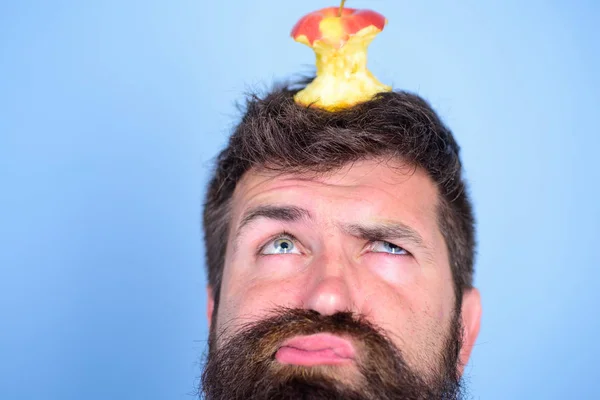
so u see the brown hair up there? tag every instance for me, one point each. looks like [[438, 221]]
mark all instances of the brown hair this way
[[277, 133]]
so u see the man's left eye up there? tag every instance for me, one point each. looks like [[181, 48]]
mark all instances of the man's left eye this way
[[381, 246], [281, 245]]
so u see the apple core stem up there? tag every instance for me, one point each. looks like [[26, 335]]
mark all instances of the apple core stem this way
[[341, 8]]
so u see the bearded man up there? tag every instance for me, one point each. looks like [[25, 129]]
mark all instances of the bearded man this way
[[340, 252]]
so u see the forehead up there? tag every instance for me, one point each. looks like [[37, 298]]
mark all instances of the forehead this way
[[370, 189]]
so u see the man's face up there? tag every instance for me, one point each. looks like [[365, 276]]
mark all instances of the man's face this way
[[362, 241]]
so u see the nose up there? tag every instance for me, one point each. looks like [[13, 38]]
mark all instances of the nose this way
[[328, 292]]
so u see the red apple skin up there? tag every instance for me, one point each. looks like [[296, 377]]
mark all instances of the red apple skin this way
[[353, 21]]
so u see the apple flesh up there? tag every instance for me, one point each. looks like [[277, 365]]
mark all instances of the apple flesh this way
[[327, 25], [340, 42]]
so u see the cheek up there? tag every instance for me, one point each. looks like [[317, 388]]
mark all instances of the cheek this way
[[410, 310], [397, 270], [254, 299], [278, 267]]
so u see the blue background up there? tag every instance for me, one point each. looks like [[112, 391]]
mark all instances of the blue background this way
[[110, 115]]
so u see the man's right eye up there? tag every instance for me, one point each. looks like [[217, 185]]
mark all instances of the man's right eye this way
[[280, 245]]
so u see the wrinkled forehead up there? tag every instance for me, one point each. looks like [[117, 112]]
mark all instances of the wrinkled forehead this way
[[391, 170], [369, 189]]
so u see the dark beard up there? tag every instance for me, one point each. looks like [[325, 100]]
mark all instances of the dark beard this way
[[245, 368]]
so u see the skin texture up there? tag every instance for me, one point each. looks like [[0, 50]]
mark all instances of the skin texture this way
[[409, 296]]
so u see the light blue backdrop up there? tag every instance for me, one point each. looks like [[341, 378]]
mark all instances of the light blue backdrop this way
[[110, 114]]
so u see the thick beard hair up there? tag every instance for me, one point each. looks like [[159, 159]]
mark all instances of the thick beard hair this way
[[244, 367]]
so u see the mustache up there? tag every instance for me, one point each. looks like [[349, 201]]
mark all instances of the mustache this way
[[241, 364], [256, 343], [283, 323]]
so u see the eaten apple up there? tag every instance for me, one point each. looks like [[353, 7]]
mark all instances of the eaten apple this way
[[340, 37]]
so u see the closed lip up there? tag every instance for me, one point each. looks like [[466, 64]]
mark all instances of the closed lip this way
[[340, 346]]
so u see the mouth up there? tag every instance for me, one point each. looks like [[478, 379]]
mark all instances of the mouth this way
[[318, 349]]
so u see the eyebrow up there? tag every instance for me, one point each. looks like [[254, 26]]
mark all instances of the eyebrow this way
[[276, 213], [388, 231], [371, 232]]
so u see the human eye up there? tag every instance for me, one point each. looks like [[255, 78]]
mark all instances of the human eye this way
[[283, 244], [380, 246]]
